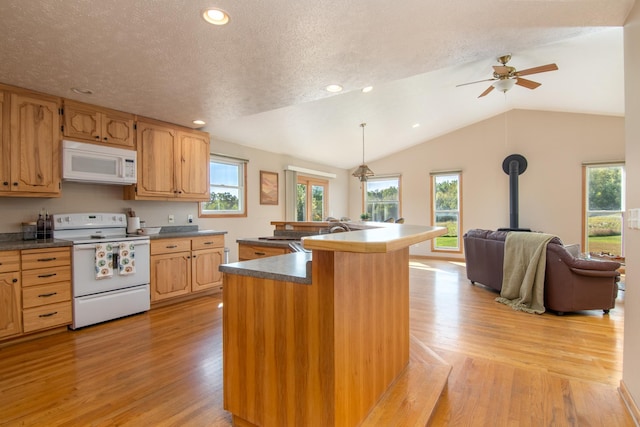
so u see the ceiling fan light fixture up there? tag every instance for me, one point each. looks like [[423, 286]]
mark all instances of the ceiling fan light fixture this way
[[333, 88], [363, 172], [503, 85]]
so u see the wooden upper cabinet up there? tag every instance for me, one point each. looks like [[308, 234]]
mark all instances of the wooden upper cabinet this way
[[194, 162], [34, 147], [156, 160], [98, 125], [173, 163], [5, 144]]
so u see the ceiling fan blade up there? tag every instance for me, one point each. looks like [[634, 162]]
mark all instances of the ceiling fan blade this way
[[472, 83], [529, 84], [501, 69], [489, 89], [535, 70]]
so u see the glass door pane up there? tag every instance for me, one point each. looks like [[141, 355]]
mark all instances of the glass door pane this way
[[605, 207], [301, 205]]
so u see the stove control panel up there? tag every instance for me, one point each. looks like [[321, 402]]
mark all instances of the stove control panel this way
[[88, 220]]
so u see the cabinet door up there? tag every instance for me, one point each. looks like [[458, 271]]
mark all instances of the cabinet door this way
[[5, 147], [170, 275], [35, 145], [205, 271], [193, 182], [156, 160], [81, 122], [118, 129], [10, 316]]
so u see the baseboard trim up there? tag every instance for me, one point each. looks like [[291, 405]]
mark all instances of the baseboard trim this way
[[630, 403], [437, 258]]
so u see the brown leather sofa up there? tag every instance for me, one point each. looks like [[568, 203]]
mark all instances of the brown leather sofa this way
[[571, 284]]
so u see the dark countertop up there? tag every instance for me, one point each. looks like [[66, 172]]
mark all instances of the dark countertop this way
[[266, 242], [186, 233], [19, 244], [294, 267]]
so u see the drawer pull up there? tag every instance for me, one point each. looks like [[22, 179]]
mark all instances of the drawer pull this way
[[171, 246], [46, 259], [42, 276], [208, 243], [48, 314], [260, 253], [47, 295]]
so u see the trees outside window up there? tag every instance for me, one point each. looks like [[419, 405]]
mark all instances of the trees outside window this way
[[382, 198], [445, 204], [312, 196], [603, 216], [227, 195]]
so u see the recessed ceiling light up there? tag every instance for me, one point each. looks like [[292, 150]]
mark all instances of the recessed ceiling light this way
[[416, 125], [199, 122], [334, 88], [367, 89], [81, 91], [215, 16]]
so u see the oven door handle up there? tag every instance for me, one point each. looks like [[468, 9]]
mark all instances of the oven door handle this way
[[91, 246]]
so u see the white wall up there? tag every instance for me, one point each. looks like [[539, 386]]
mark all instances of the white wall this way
[[555, 146], [631, 367], [78, 197]]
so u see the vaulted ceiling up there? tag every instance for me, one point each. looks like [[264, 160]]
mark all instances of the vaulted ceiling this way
[[259, 81]]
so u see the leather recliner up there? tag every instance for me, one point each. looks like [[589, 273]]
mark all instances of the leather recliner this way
[[570, 284]]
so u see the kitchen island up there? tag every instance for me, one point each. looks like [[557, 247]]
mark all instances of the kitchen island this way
[[329, 343]]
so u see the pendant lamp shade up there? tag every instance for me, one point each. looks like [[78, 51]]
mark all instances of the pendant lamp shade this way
[[363, 172]]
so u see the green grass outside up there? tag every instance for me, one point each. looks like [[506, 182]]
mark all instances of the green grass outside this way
[[608, 244]]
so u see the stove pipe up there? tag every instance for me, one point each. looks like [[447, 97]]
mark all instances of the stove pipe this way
[[513, 166]]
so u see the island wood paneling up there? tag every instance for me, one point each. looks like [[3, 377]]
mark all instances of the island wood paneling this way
[[322, 353]]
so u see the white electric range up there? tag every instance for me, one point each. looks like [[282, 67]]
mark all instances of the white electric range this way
[[110, 268]]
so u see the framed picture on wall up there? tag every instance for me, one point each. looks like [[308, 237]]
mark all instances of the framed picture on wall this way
[[268, 188]]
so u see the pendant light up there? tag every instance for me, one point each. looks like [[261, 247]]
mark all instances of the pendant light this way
[[363, 172]]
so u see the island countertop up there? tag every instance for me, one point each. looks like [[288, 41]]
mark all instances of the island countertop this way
[[294, 267], [385, 237]]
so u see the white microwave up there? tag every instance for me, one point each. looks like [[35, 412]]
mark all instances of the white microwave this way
[[100, 164]]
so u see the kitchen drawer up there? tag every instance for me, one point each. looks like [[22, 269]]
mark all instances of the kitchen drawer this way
[[46, 316], [42, 276], [9, 261], [247, 252], [168, 246], [207, 242], [36, 296], [50, 257]]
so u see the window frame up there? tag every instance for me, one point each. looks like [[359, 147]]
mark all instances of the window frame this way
[[365, 192], [242, 188], [310, 182], [585, 202], [432, 178]]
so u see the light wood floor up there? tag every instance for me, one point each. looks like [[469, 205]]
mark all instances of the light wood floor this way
[[164, 368]]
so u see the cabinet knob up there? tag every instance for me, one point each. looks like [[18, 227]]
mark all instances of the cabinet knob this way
[[105, 138], [5, 183], [15, 184], [14, 280], [97, 136]]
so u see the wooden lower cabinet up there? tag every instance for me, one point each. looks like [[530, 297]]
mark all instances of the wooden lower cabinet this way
[[35, 290], [247, 252], [185, 265], [10, 315], [46, 288]]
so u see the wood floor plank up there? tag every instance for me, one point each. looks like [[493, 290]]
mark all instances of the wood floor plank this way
[[164, 368]]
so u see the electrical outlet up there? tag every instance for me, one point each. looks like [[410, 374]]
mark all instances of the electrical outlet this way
[[190, 219], [172, 219]]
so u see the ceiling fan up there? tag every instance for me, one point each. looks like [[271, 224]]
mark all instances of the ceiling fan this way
[[505, 77]]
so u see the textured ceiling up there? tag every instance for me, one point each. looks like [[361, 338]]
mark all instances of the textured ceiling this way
[[259, 80]]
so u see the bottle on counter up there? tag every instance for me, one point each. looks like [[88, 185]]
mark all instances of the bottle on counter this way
[[40, 226], [48, 226]]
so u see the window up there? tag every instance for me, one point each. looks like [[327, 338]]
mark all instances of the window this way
[[382, 198], [603, 208], [311, 203], [445, 207], [228, 193]]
